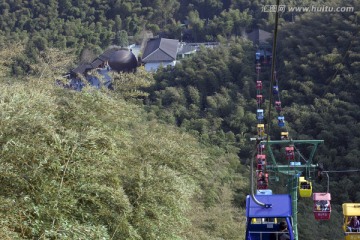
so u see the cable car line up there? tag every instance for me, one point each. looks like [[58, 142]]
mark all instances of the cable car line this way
[[294, 170], [260, 172], [273, 64], [256, 203], [340, 171]]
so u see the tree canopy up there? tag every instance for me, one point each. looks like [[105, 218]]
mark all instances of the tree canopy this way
[[166, 155]]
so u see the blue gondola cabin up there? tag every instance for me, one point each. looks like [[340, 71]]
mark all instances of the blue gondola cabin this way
[[264, 192], [322, 206], [275, 90], [257, 56], [261, 147], [260, 114], [281, 121], [280, 212]]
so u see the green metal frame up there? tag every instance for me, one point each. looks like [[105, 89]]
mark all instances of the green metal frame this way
[[293, 171]]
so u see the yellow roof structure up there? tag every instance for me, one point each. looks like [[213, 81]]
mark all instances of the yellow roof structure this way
[[351, 209]]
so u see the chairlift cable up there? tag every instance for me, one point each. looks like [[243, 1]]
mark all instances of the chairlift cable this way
[[273, 65], [342, 171], [261, 173]]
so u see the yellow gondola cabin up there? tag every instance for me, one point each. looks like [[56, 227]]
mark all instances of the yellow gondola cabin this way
[[305, 187], [284, 135], [350, 211], [261, 130]]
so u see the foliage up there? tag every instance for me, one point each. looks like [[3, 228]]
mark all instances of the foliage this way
[[131, 85], [121, 39], [204, 95], [211, 95], [93, 165], [89, 165], [98, 24], [320, 74]]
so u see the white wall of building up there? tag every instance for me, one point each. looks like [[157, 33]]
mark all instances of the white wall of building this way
[[152, 67]]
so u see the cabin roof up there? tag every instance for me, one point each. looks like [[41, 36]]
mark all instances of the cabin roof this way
[[280, 206], [351, 209], [321, 196]]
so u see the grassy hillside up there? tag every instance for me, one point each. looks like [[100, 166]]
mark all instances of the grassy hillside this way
[[90, 165]]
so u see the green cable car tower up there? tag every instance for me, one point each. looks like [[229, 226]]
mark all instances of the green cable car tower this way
[[293, 169]]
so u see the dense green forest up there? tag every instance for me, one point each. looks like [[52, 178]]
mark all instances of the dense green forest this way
[[92, 165], [166, 156]]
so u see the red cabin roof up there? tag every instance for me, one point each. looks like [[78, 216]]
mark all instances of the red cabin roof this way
[[321, 196]]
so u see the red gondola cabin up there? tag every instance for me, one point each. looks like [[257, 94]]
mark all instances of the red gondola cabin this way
[[261, 158], [278, 106], [261, 161], [262, 180], [289, 152], [259, 85], [322, 206]]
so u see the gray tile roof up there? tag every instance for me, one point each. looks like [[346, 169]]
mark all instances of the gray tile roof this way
[[160, 50], [96, 63], [259, 36], [82, 68], [105, 56]]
